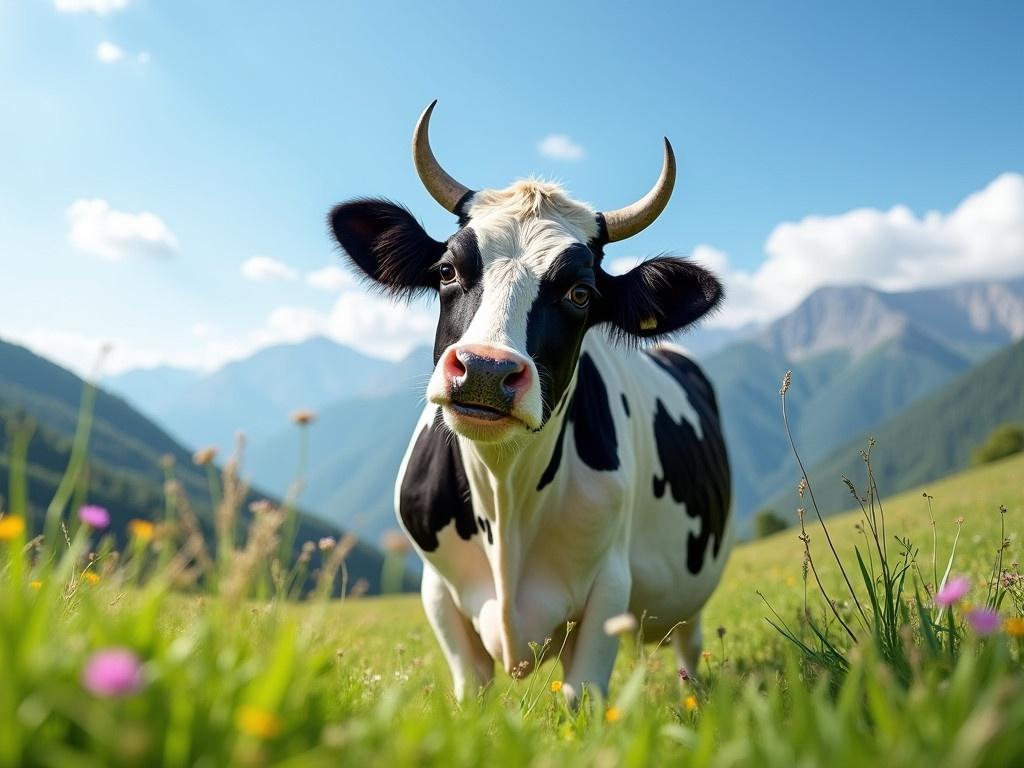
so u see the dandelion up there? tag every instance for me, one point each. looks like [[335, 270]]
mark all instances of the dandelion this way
[[303, 417], [91, 578], [983, 621], [113, 673], [556, 686], [706, 655], [1014, 627], [36, 584], [204, 456], [11, 527], [952, 592], [141, 529], [258, 722], [620, 625], [613, 715], [94, 516], [690, 702], [327, 543]]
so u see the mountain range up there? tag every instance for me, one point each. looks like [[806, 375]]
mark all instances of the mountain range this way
[[859, 357], [126, 453]]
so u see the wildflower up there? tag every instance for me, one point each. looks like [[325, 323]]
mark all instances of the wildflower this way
[[36, 584], [802, 487], [706, 655], [258, 722], [261, 507], [11, 527], [613, 715], [303, 417], [1014, 627], [115, 672], [684, 675], [556, 686], [141, 529], [204, 456], [326, 543], [786, 381], [91, 578], [983, 621], [94, 516], [620, 625], [720, 632], [167, 462], [395, 542], [952, 592], [690, 702]]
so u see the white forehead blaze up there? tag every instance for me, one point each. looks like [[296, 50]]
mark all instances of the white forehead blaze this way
[[520, 231]]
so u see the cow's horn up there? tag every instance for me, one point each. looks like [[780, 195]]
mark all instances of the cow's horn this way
[[442, 187], [626, 222]]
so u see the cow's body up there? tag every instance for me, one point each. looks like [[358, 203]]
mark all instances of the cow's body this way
[[558, 474], [626, 490]]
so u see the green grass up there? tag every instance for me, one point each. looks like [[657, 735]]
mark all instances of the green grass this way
[[232, 680]]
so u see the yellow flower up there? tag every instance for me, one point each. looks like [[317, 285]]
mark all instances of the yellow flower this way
[[91, 578], [36, 584], [1014, 627], [141, 529], [706, 655], [258, 722], [556, 686], [11, 527], [690, 702], [613, 715]]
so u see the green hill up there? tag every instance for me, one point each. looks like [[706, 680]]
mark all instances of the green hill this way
[[930, 439], [125, 449]]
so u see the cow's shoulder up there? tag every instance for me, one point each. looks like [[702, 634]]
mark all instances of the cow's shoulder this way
[[433, 489], [687, 373]]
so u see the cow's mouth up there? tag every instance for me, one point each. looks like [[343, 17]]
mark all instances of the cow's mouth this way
[[479, 411]]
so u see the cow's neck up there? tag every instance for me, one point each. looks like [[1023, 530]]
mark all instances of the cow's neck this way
[[503, 480]]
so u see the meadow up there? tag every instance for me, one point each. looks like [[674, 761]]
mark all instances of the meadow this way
[[178, 652]]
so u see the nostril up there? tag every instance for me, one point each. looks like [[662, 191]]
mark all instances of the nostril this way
[[453, 367], [517, 379]]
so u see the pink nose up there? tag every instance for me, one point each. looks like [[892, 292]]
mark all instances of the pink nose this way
[[479, 374]]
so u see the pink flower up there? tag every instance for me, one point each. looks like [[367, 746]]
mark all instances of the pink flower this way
[[113, 673], [983, 621], [94, 517], [952, 592]]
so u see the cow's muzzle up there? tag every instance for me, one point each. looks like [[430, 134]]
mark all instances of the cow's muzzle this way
[[485, 382]]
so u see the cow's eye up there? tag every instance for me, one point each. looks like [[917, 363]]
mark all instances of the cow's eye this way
[[447, 273], [579, 295]]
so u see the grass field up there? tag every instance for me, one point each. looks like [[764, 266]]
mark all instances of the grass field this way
[[213, 679]]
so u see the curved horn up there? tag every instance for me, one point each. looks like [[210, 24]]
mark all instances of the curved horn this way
[[626, 222], [442, 187]]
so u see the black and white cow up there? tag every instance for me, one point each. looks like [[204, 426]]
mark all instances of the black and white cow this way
[[558, 472]]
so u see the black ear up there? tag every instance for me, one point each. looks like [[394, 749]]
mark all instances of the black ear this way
[[657, 297], [387, 244]]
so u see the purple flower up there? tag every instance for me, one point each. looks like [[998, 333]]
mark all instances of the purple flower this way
[[114, 673], [952, 592], [983, 621], [684, 675], [94, 517]]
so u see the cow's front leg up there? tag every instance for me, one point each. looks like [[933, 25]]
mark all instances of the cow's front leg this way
[[471, 666], [594, 651]]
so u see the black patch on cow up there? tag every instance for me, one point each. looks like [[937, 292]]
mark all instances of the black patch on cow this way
[[460, 299], [625, 404], [555, 326], [435, 489], [696, 471], [462, 208], [593, 426]]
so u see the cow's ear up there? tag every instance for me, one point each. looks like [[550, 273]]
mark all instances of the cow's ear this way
[[387, 244], [657, 297]]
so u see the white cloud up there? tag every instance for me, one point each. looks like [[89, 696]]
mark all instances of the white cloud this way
[[99, 7], [558, 146], [981, 239], [98, 229], [263, 269], [331, 278], [108, 53]]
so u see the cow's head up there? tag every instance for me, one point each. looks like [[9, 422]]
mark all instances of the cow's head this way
[[520, 283]]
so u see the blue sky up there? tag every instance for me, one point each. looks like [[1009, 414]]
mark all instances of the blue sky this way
[[813, 141]]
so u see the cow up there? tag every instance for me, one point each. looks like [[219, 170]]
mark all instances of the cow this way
[[563, 472]]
